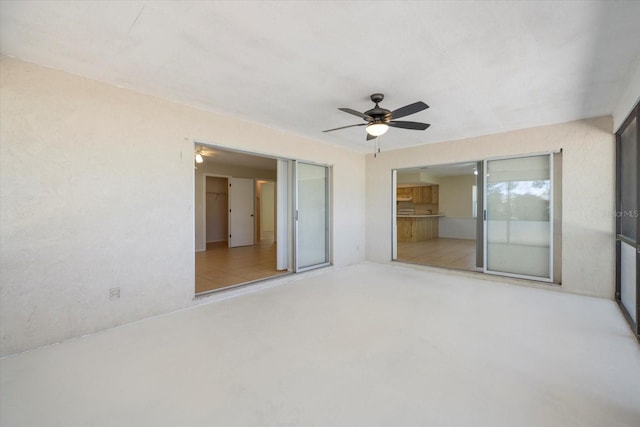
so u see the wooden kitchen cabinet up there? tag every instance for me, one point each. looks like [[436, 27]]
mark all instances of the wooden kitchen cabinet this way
[[426, 194], [419, 195], [404, 194], [434, 194], [417, 229], [416, 195]]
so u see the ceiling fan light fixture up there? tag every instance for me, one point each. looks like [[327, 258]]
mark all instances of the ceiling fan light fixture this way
[[199, 158], [377, 129]]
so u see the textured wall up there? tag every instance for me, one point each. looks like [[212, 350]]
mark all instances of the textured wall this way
[[97, 187], [588, 193]]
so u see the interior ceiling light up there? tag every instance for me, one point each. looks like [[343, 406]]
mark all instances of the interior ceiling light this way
[[199, 158], [377, 129], [475, 171]]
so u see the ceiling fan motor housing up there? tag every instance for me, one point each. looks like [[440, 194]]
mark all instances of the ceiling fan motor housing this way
[[377, 97], [379, 115]]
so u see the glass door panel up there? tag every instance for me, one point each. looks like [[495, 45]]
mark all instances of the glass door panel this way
[[518, 211], [628, 219], [629, 182], [312, 216], [628, 216]]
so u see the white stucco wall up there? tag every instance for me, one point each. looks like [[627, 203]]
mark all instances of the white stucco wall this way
[[588, 193], [97, 187]]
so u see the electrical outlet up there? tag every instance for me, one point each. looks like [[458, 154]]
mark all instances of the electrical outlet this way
[[114, 293]]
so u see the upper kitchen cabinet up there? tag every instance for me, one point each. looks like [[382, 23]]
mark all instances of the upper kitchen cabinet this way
[[424, 195], [404, 194], [416, 195], [434, 194]]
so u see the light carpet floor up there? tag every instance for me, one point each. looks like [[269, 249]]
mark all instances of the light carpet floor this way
[[366, 345]]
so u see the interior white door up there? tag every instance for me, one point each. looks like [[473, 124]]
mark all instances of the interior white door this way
[[241, 212]]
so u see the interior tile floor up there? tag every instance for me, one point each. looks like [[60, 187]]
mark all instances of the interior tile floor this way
[[459, 254], [220, 266], [366, 345]]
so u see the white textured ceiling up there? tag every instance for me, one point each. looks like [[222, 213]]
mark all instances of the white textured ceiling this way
[[483, 67]]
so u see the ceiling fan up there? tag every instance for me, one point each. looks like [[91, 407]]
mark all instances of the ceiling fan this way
[[378, 120], [203, 151]]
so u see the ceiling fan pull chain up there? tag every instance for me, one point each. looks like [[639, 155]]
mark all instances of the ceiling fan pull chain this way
[[376, 147]]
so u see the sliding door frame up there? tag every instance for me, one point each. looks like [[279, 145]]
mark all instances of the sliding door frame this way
[[633, 323], [555, 226], [286, 218], [296, 217], [486, 270]]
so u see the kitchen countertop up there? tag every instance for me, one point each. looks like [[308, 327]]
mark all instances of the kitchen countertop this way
[[419, 216]]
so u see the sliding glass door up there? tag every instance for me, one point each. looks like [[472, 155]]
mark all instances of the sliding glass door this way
[[628, 219], [518, 213], [312, 216]]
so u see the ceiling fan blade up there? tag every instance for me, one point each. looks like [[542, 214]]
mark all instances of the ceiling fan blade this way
[[408, 109], [409, 125], [356, 113], [344, 127], [370, 137]]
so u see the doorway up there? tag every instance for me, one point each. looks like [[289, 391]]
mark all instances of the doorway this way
[[436, 216], [497, 216], [265, 210], [278, 217], [228, 251], [217, 202]]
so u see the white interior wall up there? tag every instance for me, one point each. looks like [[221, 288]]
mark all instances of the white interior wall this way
[[456, 205], [97, 187], [455, 196], [413, 178], [457, 228], [588, 225], [267, 207]]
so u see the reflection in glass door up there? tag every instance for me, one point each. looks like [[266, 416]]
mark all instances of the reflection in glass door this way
[[312, 216], [518, 229]]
